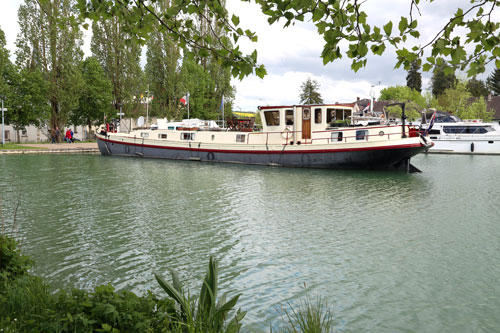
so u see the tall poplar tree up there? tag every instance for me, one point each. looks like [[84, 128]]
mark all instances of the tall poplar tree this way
[[414, 77], [120, 59], [49, 42], [493, 82], [206, 79], [162, 70]]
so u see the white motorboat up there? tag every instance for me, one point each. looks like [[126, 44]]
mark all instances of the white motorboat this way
[[452, 135]]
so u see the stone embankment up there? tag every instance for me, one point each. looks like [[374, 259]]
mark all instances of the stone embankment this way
[[55, 148]]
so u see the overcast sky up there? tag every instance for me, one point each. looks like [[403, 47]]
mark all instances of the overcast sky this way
[[291, 55]]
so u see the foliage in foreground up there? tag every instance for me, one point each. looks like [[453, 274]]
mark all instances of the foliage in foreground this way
[[27, 303]]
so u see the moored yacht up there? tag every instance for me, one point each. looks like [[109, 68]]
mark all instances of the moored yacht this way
[[312, 136], [452, 135]]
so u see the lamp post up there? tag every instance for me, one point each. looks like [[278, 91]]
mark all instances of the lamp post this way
[[120, 114], [3, 126]]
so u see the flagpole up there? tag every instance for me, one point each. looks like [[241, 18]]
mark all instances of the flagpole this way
[[188, 103]]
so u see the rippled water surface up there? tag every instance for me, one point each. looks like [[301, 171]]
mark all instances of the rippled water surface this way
[[387, 251]]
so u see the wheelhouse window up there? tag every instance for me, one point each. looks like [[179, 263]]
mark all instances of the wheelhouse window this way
[[187, 136], [144, 135], [162, 136], [317, 116], [272, 118], [240, 137], [289, 117], [362, 135], [330, 115], [337, 137]]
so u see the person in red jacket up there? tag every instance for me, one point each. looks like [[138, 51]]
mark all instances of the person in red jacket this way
[[67, 137]]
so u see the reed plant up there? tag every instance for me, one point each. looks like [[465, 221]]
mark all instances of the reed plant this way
[[311, 316]]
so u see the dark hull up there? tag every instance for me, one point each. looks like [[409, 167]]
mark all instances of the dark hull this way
[[374, 158]]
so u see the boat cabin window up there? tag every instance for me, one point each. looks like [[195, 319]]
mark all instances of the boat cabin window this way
[[162, 136], [187, 136], [436, 131], [171, 128], [289, 117], [337, 136], [272, 118], [330, 115], [317, 116], [362, 135], [240, 137], [144, 135], [465, 129]]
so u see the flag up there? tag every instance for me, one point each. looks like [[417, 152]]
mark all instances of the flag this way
[[431, 123], [222, 102], [366, 108], [183, 100]]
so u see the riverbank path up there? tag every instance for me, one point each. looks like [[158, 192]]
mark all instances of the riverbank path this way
[[55, 148]]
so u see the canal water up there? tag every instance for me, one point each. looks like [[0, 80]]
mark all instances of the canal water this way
[[386, 251]]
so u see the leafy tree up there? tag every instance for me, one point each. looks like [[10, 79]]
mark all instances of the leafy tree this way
[[310, 93], [442, 81], [477, 88], [415, 102], [200, 86], [28, 101], [493, 82], [459, 101], [24, 92], [96, 98], [120, 60], [414, 77], [49, 43], [342, 24], [4, 65]]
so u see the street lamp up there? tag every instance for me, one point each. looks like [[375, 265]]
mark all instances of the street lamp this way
[[3, 126]]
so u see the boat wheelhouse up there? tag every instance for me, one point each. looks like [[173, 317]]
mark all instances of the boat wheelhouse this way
[[314, 136]]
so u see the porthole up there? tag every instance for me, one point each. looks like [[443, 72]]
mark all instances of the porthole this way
[[381, 133]]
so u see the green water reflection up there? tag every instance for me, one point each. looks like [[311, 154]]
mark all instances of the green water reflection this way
[[388, 251]]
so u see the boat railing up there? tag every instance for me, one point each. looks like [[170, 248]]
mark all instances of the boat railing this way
[[288, 135]]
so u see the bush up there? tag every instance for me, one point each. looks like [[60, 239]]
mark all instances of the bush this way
[[12, 262]]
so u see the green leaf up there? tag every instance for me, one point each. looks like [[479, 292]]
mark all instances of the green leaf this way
[[388, 28], [235, 19], [260, 71], [403, 24]]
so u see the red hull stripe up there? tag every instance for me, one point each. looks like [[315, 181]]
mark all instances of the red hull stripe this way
[[316, 151]]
